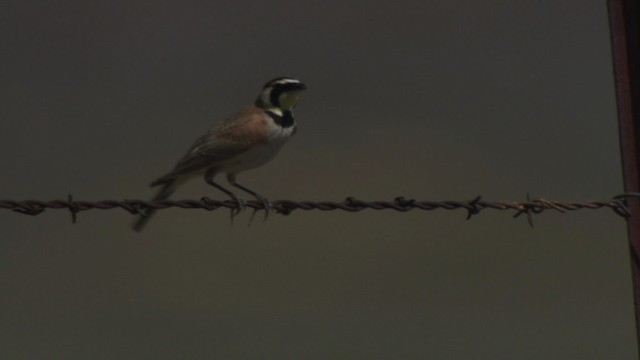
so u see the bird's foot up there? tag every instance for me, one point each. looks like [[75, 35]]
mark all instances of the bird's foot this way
[[266, 206], [241, 205]]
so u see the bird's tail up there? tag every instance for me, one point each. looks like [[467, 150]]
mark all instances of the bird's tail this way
[[168, 188]]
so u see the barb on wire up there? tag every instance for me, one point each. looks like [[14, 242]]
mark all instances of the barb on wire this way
[[473, 207]]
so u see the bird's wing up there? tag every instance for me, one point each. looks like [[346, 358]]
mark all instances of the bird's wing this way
[[227, 139]]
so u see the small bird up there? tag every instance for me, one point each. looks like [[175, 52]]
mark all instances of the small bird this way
[[242, 142]]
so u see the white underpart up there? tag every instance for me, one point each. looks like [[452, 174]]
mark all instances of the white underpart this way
[[259, 154]]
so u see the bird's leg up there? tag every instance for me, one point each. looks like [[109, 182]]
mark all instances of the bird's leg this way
[[241, 204], [265, 202]]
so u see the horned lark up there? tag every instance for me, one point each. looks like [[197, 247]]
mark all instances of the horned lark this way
[[242, 142]]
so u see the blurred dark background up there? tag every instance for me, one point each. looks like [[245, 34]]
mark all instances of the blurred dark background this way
[[433, 100]]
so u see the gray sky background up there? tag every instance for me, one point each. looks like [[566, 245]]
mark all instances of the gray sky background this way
[[433, 100]]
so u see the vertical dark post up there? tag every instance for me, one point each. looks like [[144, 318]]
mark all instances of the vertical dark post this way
[[624, 22]]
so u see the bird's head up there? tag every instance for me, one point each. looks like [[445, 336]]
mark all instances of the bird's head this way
[[280, 94]]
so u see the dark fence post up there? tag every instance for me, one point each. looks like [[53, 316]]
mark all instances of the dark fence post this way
[[624, 21]]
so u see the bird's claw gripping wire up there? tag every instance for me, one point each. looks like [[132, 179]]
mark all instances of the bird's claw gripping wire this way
[[266, 206], [241, 205]]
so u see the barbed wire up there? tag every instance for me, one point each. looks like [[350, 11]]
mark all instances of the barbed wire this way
[[473, 207]]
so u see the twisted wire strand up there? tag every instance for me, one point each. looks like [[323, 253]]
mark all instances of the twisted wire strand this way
[[473, 207]]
